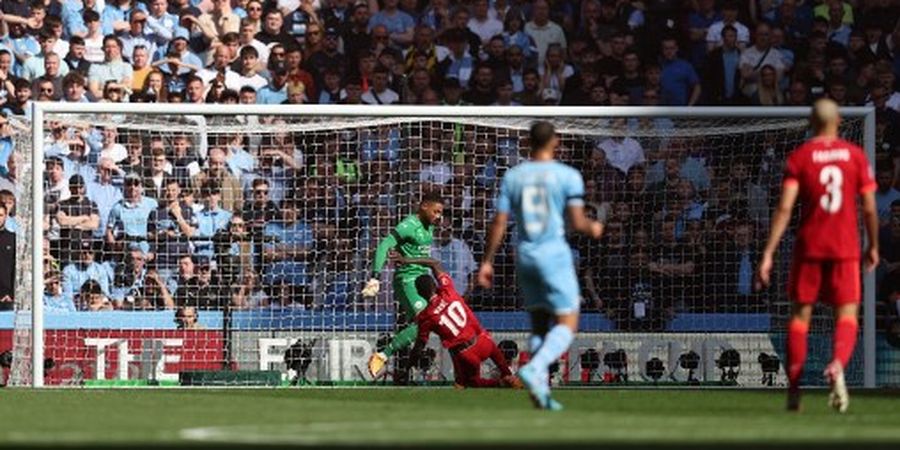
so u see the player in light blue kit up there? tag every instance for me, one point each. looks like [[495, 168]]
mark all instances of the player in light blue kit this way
[[539, 193]]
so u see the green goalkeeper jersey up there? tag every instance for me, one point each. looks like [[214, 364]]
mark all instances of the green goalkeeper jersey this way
[[412, 239]]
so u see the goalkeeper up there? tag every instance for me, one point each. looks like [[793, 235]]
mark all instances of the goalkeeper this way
[[412, 239]]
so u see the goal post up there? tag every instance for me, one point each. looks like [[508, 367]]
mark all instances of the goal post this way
[[453, 130]]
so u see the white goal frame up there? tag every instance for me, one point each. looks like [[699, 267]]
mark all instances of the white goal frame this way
[[39, 109]]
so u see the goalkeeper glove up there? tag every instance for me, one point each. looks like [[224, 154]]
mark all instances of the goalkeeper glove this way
[[372, 287]]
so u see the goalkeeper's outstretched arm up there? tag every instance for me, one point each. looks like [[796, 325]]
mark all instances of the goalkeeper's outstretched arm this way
[[436, 268], [381, 255]]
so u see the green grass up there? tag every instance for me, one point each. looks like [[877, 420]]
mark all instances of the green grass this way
[[393, 417]]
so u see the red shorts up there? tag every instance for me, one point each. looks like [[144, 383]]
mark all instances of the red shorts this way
[[835, 282]]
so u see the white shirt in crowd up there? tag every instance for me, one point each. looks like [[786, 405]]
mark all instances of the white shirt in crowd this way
[[436, 173], [549, 33], [486, 29], [623, 154], [385, 97], [256, 81], [714, 34], [115, 152]]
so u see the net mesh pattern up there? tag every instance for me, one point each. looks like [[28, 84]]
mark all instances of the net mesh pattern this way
[[253, 234]]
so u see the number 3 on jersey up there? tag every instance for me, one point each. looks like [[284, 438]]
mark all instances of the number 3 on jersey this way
[[454, 318], [833, 179]]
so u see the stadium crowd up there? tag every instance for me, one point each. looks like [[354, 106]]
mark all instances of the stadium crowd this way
[[141, 220]]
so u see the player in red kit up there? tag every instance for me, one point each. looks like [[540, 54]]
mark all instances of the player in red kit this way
[[826, 174], [448, 316]]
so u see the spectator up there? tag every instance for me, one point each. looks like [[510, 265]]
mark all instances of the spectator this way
[[700, 20], [260, 210], [76, 58], [136, 35], [379, 93], [544, 31], [481, 91], [722, 80], [44, 90], [399, 24], [631, 79], [160, 24], [7, 270], [33, 67], [296, 73], [232, 195], [111, 69], [514, 35], [212, 219], [622, 152], [20, 104], [59, 185], [679, 82], [674, 262], [333, 277], [248, 75], [554, 72], [328, 57], [84, 268], [886, 194], [78, 217], [103, 193], [767, 92], [129, 219], [531, 88], [504, 94], [203, 290], [457, 257], [217, 22], [91, 297], [482, 23], [8, 200], [798, 94], [290, 241], [754, 58], [186, 318], [714, 35], [52, 76], [54, 301], [73, 88], [135, 287], [93, 39], [172, 224]]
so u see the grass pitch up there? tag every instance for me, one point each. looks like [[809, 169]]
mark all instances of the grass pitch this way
[[598, 418]]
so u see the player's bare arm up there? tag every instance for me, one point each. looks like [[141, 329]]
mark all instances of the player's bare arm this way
[[495, 238], [780, 220], [582, 224], [870, 220]]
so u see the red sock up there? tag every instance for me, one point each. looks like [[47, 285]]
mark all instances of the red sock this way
[[796, 342], [845, 331]]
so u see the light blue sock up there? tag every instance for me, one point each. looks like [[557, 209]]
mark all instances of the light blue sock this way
[[534, 343], [556, 342]]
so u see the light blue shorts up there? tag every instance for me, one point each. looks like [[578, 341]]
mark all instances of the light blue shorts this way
[[549, 283]]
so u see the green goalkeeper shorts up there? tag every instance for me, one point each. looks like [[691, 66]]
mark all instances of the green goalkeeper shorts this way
[[405, 293]]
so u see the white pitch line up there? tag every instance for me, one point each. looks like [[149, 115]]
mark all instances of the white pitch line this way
[[322, 432]]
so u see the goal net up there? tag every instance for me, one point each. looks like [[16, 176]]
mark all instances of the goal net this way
[[230, 246]]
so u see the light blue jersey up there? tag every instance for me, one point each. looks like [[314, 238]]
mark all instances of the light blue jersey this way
[[537, 194]]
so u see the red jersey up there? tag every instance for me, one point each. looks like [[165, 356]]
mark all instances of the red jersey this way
[[448, 316], [830, 174]]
